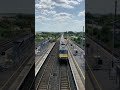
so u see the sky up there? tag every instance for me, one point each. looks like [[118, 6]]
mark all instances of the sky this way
[[59, 15]]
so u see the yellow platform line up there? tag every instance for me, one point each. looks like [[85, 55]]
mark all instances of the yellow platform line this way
[[77, 65]]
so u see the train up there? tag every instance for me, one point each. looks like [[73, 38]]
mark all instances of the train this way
[[63, 51]]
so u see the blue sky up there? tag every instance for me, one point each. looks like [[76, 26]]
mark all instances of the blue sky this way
[[59, 15]]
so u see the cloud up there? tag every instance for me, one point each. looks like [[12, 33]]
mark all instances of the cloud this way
[[58, 15], [48, 12], [82, 13], [61, 17], [80, 0], [62, 14], [63, 5], [51, 4], [42, 18], [55, 17], [44, 4], [66, 3]]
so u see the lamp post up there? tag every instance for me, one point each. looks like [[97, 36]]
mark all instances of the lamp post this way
[[83, 38]]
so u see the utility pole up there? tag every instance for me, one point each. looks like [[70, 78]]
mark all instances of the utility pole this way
[[83, 38]]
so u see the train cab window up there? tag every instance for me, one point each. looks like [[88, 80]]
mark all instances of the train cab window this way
[[63, 51], [62, 44]]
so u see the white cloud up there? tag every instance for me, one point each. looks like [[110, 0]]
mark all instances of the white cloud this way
[[54, 15], [48, 12], [51, 12], [66, 3], [80, 0], [42, 18], [61, 17], [44, 4], [82, 13], [62, 14], [51, 4]]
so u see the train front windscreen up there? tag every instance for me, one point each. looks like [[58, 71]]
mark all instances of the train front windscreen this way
[[63, 52]]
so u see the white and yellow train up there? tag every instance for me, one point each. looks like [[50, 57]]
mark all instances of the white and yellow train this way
[[63, 52]]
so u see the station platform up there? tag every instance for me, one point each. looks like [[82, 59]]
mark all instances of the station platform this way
[[78, 73], [94, 80], [40, 59], [79, 64]]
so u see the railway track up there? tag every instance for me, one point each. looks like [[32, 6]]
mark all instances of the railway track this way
[[64, 78], [44, 80], [54, 75]]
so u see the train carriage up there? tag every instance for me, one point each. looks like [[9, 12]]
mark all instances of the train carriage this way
[[63, 52]]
